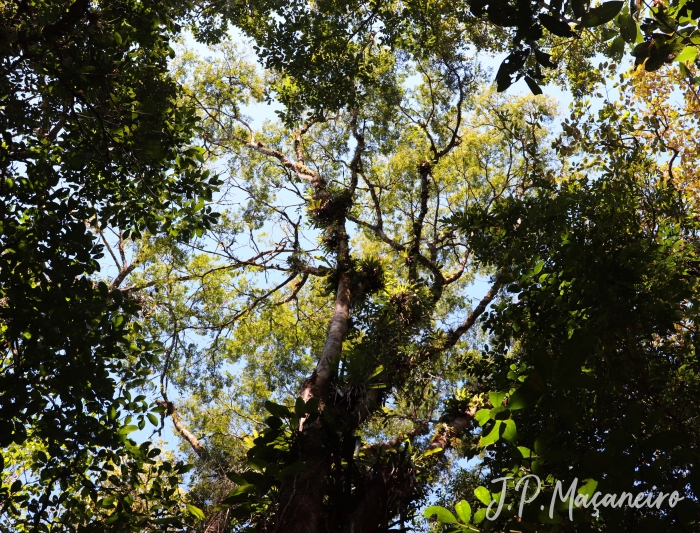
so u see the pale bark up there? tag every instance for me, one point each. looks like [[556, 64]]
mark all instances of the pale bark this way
[[186, 434], [317, 385]]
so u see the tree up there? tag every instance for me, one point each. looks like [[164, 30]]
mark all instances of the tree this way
[[344, 329], [330, 299], [92, 142], [544, 40], [598, 351], [600, 340], [583, 254]]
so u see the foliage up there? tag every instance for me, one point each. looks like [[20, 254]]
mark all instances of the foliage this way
[[298, 40], [91, 141], [330, 310], [600, 340], [596, 350], [244, 312]]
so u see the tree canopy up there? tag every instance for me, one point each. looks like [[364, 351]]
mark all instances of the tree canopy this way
[[542, 40], [334, 310], [92, 141]]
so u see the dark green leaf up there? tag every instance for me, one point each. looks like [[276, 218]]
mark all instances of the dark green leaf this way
[[443, 515], [532, 84], [601, 14], [555, 25]]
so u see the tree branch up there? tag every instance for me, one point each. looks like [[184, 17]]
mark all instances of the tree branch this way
[[170, 409], [454, 335]]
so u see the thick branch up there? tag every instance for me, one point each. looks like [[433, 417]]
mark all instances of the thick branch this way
[[298, 149], [301, 170], [170, 409], [424, 170], [317, 385], [454, 140], [420, 430], [356, 162], [123, 273], [295, 290], [454, 429]]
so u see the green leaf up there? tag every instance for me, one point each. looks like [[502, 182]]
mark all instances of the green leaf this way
[[278, 410], [153, 419], [479, 516], [291, 470], [509, 432], [376, 372], [274, 422], [496, 398], [499, 413], [525, 452], [689, 53], [300, 407], [532, 84], [616, 49], [482, 416], [608, 33], [430, 452], [543, 516], [155, 452], [195, 511], [184, 468], [464, 511], [312, 406], [601, 14], [483, 495], [556, 26], [628, 27], [493, 435], [108, 502], [588, 488], [236, 478], [238, 491], [538, 267], [541, 442], [256, 463], [443, 515], [520, 399], [544, 59]]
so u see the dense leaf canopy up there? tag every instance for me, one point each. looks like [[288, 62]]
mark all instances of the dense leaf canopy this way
[[543, 40], [91, 139], [406, 269]]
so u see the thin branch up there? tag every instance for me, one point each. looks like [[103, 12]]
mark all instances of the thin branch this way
[[379, 232], [297, 287], [252, 306], [451, 278], [109, 248], [454, 335]]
